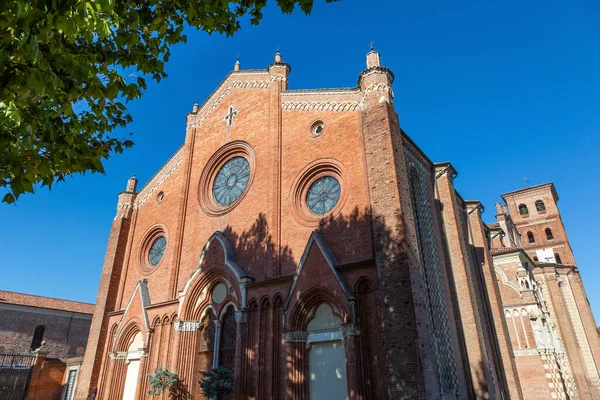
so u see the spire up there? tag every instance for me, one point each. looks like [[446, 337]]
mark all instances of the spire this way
[[132, 184], [196, 106], [373, 59], [236, 67], [277, 55]]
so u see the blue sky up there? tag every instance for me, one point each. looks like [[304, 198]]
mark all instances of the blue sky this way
[[503, 89]]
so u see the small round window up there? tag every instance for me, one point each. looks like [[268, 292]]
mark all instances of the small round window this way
[[157, 250], [317, 128], [231, 181], [323, 195]]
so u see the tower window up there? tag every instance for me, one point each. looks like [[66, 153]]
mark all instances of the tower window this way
[[530, 237], [539, 205], [523, 209], [38, 337], [557, 258], [549, 234]]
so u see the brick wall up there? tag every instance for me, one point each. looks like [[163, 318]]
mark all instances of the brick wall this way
[[65, 336]]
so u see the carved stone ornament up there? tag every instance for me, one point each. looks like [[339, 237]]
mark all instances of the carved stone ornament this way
[[295, 337], [350, 329], [118, 355], [526, 352], [187, 326], [241, 317]]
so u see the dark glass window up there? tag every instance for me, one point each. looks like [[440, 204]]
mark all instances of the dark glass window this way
[[231, 181], [557, 258], [549, 234], [157, 250], [523, 209], [323, 195], [539, 205], [530, 237], [38, 337]]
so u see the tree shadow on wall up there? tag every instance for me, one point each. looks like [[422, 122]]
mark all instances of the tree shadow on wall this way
[[255, 246], [353, 238], [179, 391]]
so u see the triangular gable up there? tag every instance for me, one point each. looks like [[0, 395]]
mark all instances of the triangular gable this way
[[217, 243], [237, 79], [316, 238], [136, 308]]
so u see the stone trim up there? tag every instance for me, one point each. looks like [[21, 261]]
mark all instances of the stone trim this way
[[544, 222], [295, 337], [350, 329], [580, 334], [217, 101], [241, 316], [187, 326], [159, 178], [320, 106]]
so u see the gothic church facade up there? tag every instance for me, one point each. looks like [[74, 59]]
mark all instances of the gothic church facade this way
[[301, 239]]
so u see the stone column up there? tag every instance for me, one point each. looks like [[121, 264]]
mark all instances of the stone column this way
[[240, 347], [350, 332]]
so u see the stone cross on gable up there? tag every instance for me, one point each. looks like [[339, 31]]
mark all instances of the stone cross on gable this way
[[230, 114]]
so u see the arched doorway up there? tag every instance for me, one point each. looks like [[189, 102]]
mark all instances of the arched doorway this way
[[133, 367]]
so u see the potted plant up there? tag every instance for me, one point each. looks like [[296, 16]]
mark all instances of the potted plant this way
[[216, 381]]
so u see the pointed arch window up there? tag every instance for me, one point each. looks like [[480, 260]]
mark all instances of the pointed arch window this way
[[38, 337], [530, 237], [549, 235], [523, 209], [540, 206], [557, 258]]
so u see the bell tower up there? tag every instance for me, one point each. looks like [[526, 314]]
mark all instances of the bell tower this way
[[536, 216]]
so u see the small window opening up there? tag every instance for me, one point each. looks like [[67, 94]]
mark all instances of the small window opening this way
[[530, 237], [535, 258], [540, 206], [557, 258], [38, 337], [523, 209], [317, 128], [549, 234]]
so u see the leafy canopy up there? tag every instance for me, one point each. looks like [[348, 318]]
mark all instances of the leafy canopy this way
[[68, 67]]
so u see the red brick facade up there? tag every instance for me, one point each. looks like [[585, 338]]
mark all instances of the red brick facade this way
[[397, 270], [62, 329]]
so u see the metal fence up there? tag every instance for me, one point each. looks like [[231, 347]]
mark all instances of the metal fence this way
[[15, 373]]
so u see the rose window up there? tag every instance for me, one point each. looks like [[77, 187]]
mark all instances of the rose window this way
[[323, 195], [231, 181]]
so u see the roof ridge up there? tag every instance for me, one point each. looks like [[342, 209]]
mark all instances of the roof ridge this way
[[45, 297]]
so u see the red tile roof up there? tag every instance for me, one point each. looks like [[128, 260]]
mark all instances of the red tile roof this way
[[31, 300]]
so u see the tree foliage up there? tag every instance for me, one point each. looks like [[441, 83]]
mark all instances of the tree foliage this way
[[69, 67], [161, 380], [216, 381]]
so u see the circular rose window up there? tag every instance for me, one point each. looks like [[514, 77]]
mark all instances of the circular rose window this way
[[231, 181], [323, 195], [157, 250]]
